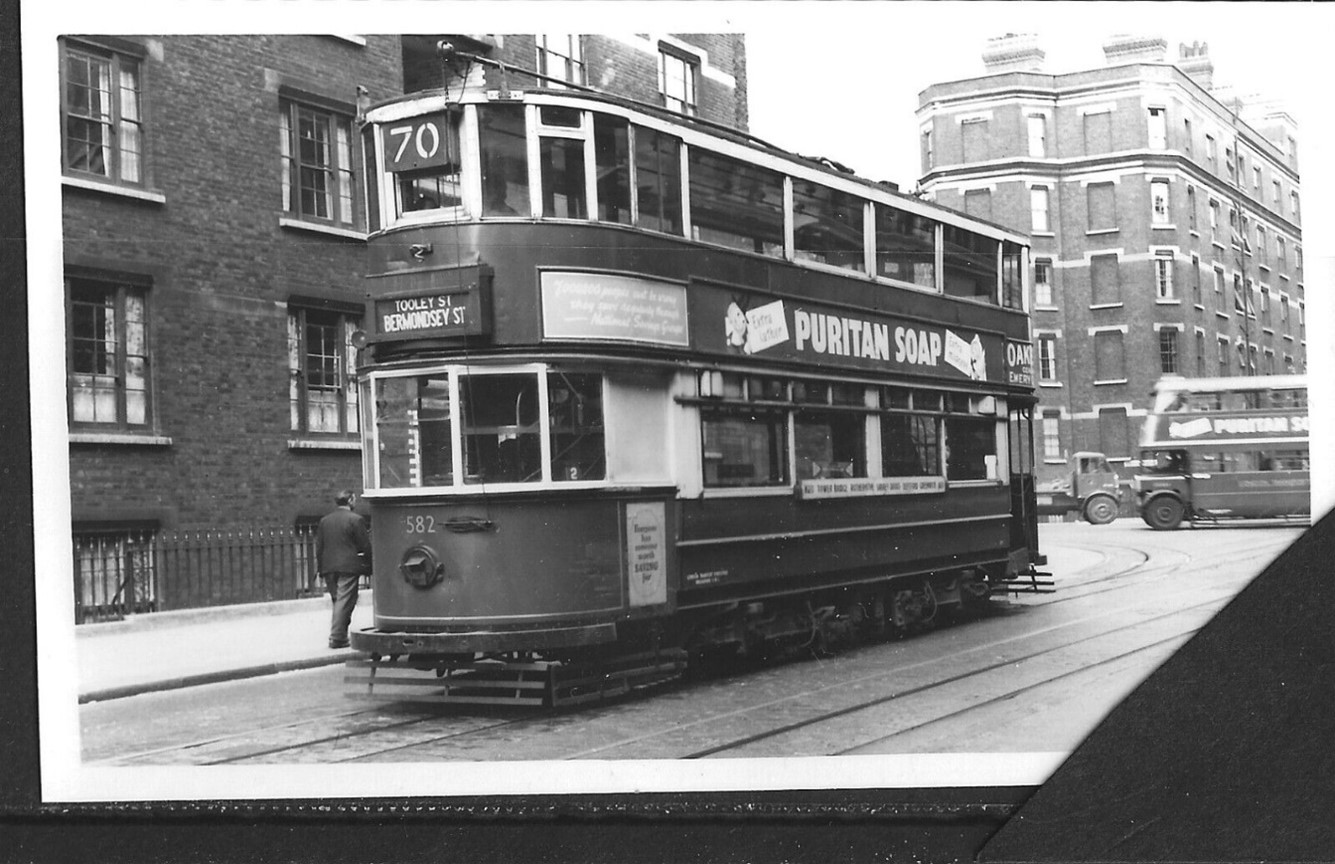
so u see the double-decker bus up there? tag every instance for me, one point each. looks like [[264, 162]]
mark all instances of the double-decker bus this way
[[1225, 448], [635, 384]]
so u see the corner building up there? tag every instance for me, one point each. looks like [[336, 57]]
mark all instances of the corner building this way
[[1164, 217], [214, 224]]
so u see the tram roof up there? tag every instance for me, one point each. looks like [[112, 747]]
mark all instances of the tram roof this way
[[820, 164], [1229, 384]]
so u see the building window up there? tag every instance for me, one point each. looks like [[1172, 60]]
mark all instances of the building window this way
[[677, 75], [1256, 178], [1293, 205], [1222, 346], [114, 571], [1240, 302], [1047, 356], [1191, 208], [1168, 351], [1038, 208], [1262, 249], [1200, 354], [1038, 135], [1284, 312], [1196, 279], [1281, 252], [1214, 221], [978, 203], [108, 354], [102, 115], [1105, 282], [1109, 357], [1159, 202], [1265, 306], [322, 363], [1186, 135], [316, 149], [1158, 129], [1269, 362], [973, 136], [1163, 275], [1212, 153], [1052, 439], [1042, 282], [928, 157], [1101, 199], [1114, 429], [1218, 285], [561, 56], [1098, 133], [1228, 164]]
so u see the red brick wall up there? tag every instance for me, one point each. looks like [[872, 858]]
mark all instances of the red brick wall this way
[[222, 270]]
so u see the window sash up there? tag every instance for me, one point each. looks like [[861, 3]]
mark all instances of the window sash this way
[[323, 395], [676, 83], [103, 117], [108, 356], [316, 160]]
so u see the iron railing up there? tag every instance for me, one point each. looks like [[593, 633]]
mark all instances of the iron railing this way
[[130, 572]]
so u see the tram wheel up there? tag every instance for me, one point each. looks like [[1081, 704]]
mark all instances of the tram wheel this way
[[1100, 510], [1164, 513]]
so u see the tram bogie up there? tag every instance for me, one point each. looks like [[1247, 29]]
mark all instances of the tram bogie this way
[[673, 420]]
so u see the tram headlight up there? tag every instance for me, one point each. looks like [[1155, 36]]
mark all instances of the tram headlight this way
[[421, 568]]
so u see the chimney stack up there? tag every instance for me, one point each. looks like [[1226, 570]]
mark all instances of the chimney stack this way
[[1134, 49], [1014, 52], [1194, 61]]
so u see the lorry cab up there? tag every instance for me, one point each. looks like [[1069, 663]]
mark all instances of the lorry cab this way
[[1095, 487]]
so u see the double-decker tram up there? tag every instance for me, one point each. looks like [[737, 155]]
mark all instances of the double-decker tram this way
[[636, 386], [1225, 448]]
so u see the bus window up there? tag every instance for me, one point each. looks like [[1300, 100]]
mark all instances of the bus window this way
[[736, 204], [504, 160], [575, 422], [1234, 462]]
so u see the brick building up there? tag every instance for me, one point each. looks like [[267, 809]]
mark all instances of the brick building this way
[[214, 235], [1164, 216]]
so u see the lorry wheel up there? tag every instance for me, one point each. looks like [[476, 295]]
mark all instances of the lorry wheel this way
[[1100, 510], [1164, 513]]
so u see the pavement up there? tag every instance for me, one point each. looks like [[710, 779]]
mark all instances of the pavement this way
[[169, 650]]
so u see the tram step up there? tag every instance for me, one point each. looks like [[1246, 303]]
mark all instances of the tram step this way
[[550, 684], [1034, 582]]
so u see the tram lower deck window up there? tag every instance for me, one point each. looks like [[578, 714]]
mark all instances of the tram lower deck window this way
[[910, 446], [744, 448], [971, 448], [830, 444]]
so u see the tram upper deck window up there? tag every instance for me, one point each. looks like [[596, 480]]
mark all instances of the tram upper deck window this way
[[611, 155], [561, 163], [1012, 275], [905, 247], [504, 161], [658, 180], [736, 204], [970, 264], [424, 155], [827, 226]]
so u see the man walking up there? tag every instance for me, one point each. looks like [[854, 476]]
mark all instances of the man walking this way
[[342, 554]]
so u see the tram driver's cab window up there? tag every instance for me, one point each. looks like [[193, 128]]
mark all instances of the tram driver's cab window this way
[[501, 417]]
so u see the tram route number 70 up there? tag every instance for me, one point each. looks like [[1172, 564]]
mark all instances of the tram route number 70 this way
[[419, 143]]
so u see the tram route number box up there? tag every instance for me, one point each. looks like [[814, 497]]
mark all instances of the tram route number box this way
[[434, 303]]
